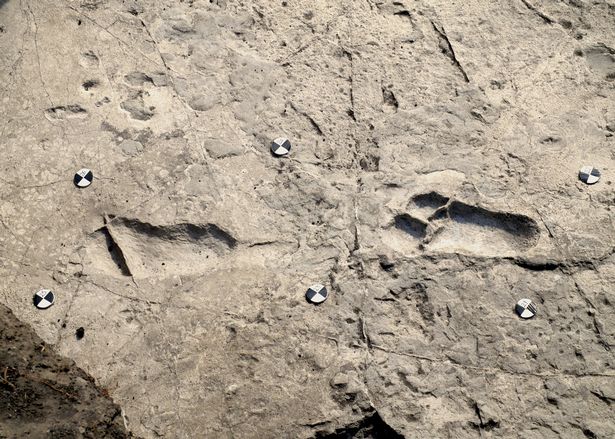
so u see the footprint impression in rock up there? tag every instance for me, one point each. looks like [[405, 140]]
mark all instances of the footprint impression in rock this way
[[436, 222]]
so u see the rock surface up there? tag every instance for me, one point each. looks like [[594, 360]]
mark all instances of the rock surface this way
[[432, 183]]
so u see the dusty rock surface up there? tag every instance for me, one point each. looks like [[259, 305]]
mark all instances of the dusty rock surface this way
[[432, 184]]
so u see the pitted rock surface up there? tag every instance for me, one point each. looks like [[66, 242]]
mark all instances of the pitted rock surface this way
[[432, 182]]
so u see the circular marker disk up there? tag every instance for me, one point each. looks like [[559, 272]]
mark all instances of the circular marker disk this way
[[83, 177], [43, 299], [589, 175], [525, 308], [280, 146], [316, 294]]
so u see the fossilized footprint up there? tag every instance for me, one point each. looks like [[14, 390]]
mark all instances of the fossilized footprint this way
[[439, 223], [130, 247]]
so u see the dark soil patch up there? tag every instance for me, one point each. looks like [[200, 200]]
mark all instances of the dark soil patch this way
[[43, 395]]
